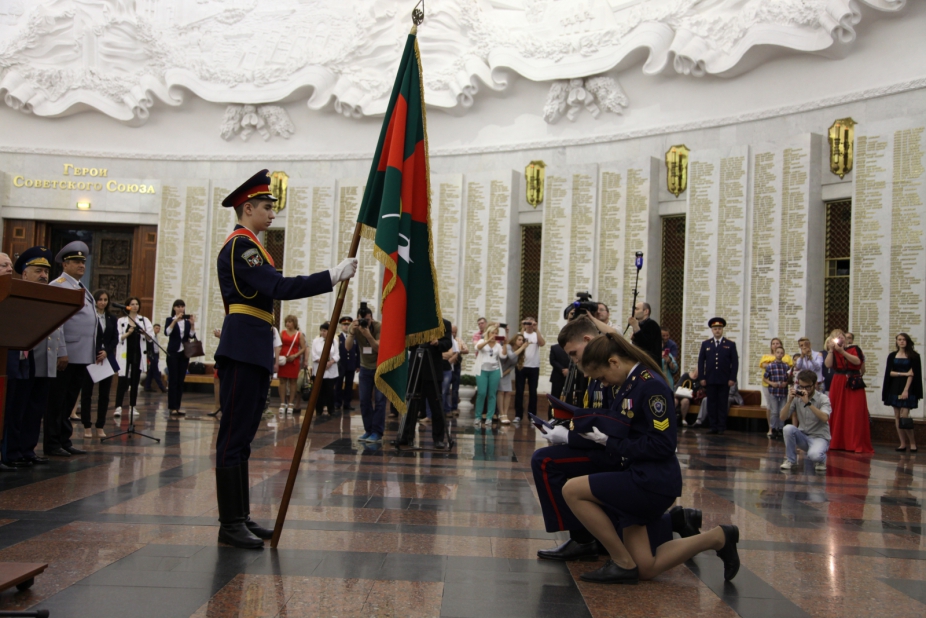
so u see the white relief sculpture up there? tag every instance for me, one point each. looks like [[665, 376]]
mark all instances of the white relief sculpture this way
[[592, 94], [119, 56], [267, 120]]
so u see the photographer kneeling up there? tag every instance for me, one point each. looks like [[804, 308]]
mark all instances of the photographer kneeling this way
[[812, 433]]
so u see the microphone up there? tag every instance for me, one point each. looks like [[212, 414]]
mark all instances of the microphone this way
[[639, 260], [117, 305]]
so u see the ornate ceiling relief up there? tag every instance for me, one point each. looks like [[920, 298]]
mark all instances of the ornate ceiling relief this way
[[119, 56]]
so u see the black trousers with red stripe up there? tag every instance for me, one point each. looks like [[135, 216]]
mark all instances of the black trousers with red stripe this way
[[554, 465], [243, 394]]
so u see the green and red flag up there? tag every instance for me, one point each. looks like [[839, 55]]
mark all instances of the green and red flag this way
[[396, 215]]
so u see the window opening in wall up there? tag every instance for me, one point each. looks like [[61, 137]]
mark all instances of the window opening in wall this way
[[672, 300], [275, 243], [838, 263], [531, 236]]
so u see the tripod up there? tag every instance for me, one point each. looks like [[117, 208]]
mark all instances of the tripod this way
[[420, 361], [131, 430]]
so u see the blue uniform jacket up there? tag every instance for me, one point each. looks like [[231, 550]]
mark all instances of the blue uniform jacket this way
[[248, 280], [718, 365], [19, 369], [640, 425], [349, 360]]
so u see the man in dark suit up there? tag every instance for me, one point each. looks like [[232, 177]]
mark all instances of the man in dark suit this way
[[646, 332], [718, 364], [348, 365], [431, 389], [560, 362]]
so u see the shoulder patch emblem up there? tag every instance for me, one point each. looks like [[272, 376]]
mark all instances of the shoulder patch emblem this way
[[661, 425], [657, 405], [253, 257], [646, 375], [59, 280]]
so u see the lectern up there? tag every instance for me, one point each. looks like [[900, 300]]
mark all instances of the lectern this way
[[29, 312]]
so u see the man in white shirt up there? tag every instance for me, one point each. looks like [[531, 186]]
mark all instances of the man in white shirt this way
[[530, 372], [811, 361]]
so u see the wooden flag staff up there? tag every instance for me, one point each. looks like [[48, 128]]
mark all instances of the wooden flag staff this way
[[313, 398]]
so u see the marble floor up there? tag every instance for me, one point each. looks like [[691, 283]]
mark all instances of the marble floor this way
[[130, 530]]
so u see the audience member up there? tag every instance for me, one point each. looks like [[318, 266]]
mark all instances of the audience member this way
[[457, 365], [154, 363], [810, 361], [646, 332], [348, 367], [134, 331], [84, 347], [430, 389], [903, 388], [530, 370], [850, 340], [109, 335], [179, 328], [683, 404], [850, 421], [668, 343], [490, 352], [6, 265], [364, 333], [559, 360], [669, 367], [329, 371], [291, 361], [718, 365], [448, 358], [515, 347], [774, 344], [481, 323], [604, 314], [776, 376], [812, 432]]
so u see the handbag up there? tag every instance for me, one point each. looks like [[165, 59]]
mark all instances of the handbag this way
[[855, 382], [193, 348], [197, 369], [905, 423], [282, 360], [684, 393], [304, 384]]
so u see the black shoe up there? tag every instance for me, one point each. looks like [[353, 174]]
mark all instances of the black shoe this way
[[216, 413], [21, 463], [441, 445], [687, 522], [38, 460], [348, 408], [611, 573], [569, 551], [729, 555], [74, 451], [232, 516], [57, 452], [256, 529]]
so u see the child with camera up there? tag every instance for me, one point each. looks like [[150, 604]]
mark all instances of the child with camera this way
[[811, 434]]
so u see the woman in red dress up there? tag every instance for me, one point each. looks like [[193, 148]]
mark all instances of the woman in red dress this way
[[849, 423], [293, 350]]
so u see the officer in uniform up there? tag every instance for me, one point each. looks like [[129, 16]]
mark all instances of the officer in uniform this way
[[249, 284], [84, 346], [48, 357], [554, 465], [718, 364]]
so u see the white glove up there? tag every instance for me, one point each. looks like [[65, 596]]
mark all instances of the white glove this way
[[595, 435], [343, 271], [558, 435]]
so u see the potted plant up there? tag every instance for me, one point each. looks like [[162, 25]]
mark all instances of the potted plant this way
[[467, 392]]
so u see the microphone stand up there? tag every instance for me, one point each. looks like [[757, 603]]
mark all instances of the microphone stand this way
[[131, 430], [633, 308]]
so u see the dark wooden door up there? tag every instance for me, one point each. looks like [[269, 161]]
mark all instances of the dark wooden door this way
[[112, 270]]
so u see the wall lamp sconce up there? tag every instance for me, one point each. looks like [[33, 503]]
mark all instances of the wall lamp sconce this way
[[83, 205]]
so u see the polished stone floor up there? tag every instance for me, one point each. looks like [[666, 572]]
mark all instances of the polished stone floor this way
[[130, 530]]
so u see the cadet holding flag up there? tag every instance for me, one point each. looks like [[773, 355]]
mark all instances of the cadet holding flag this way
[[249, 284]]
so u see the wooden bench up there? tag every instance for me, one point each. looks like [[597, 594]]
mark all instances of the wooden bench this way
[[192, 378], [752, 407]]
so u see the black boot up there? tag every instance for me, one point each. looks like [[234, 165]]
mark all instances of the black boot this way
[[729, 555], [571, 550], [228, 491], [258, 531], [687, 522], [611, 573]]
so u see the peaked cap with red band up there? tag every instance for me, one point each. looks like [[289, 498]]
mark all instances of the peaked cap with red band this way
[[257, 186]]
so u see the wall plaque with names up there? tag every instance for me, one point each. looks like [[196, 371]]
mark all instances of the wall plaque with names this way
[[446, 225]]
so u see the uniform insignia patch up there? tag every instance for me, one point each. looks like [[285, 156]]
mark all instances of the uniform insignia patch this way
[[661, 425], [646, 375], [657, 405], [253, 257], [59, 280]]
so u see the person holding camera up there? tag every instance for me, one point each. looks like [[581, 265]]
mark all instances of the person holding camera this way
[[364, 333], [179, 328], [808, 359], [490, 354], [646, 332], [529, 372], [811, 434], [718, 364], [850, 425]]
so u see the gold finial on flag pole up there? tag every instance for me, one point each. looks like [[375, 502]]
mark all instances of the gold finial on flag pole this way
[[418, 14]]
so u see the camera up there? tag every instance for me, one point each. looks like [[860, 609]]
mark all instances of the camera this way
[[362, 314], [798, 391], [583, 306]]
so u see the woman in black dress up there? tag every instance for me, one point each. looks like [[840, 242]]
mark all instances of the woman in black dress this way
[[640, 429], [903, 388]]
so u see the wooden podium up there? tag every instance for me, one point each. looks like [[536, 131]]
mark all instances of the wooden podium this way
[[29, 312]]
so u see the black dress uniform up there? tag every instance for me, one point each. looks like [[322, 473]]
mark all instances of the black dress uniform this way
[[552, 466], [249, 284], [718, 364]]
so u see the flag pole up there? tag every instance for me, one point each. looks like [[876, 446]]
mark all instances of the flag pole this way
[[313, 398]]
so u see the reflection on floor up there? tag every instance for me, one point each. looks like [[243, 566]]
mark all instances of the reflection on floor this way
[[130, 530]]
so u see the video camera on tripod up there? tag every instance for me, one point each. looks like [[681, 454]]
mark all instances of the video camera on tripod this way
[[583, 306]]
